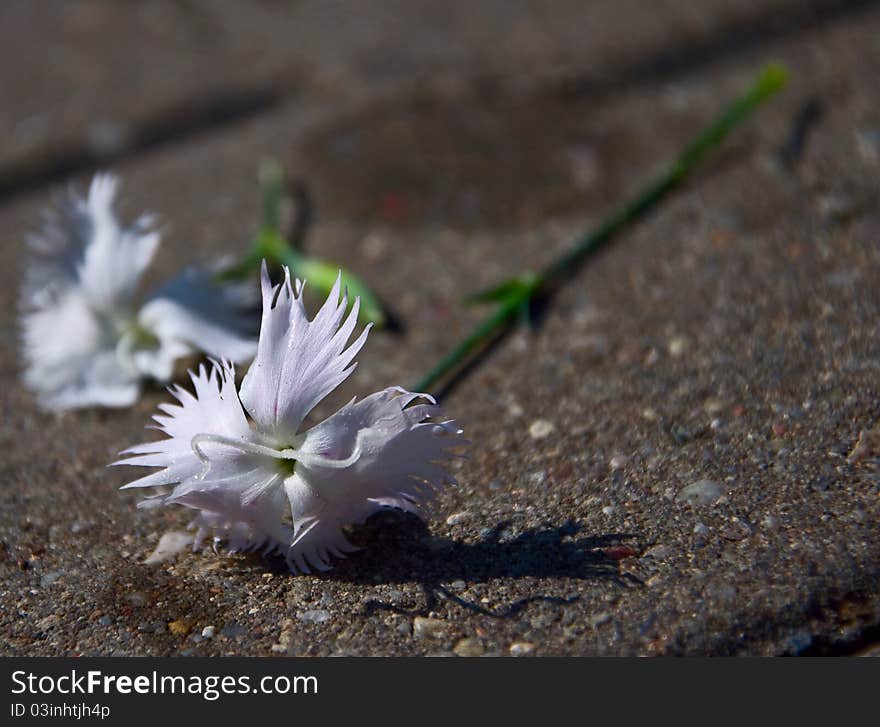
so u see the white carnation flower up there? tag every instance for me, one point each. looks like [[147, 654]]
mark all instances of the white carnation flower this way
[[263, 483], [85, 341]]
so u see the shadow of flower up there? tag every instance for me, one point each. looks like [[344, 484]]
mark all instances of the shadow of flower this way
[[400, 550]]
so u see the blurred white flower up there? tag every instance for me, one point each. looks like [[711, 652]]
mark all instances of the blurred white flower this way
[[85, 342], [268, 485]]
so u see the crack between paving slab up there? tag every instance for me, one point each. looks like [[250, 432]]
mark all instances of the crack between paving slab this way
[[820, 627], [736, 38], [171, 125], [225, 109]]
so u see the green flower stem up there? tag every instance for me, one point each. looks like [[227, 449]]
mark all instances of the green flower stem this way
[[271, 245], [514, 297], [484, 333]]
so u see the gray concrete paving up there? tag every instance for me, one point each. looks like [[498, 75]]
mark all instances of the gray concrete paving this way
[[731, 337]]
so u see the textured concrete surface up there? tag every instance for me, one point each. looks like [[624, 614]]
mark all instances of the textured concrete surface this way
[[662, 467]]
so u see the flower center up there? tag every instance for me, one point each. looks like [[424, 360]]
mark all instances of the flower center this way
[[134, 336], [141, 337], [286, 467], [286, 458]]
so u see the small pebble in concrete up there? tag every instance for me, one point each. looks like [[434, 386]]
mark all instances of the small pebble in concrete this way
[[867, 446], [678, 346], [658, 551], [170, 544], [468, 647], [432, 628], [702, 492], [317, 616], [521, 648], [618, 461], [458, 518], [541, 428], [208, 632], [180, 627], [618, 552], [49, 578], [713, 406]]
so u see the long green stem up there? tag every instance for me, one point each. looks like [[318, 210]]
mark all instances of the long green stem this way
[[482, 334], [515, 296]]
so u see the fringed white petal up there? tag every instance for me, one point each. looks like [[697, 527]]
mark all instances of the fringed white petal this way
[[317, 541], [213, 408], [212, 458], [298, 362], [71, 357], [239, 536], [399, 451], [83, 244], [195, 311], [117, 256], [248, 501]]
